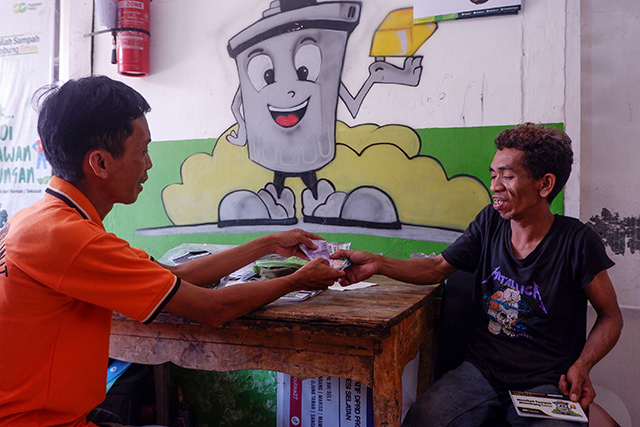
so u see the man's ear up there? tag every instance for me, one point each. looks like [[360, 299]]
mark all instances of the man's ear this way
[[547, 184], [98, 161]]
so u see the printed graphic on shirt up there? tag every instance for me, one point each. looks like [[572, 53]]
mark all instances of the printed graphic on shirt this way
[[511, 307]]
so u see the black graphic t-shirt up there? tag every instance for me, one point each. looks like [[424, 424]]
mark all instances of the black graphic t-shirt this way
[[529, 323]]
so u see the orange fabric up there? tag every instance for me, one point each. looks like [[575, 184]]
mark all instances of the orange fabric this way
[[61, 276]]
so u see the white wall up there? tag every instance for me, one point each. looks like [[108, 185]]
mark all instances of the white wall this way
[[610, 130], [611, 124], [76, 19]]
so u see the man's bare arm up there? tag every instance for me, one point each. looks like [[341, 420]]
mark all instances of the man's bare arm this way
[[601, 339], [419, 271], [215, 307]]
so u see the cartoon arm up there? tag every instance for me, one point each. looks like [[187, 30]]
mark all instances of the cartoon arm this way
[[239, 137], [383, 72]]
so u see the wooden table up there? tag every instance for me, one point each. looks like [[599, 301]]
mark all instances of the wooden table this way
[[367, 335]]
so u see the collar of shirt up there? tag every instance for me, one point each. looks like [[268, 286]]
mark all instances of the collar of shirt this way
[[73, 197]]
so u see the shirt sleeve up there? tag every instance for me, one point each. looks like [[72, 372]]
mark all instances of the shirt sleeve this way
[[109, 273], [591, 256], [465, 252], [141, 253]]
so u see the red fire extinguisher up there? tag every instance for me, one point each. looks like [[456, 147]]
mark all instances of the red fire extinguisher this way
[[132, 42]]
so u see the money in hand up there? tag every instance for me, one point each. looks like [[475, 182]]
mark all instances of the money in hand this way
[[325, 250]]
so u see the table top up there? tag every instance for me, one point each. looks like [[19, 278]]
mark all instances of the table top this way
[[357, 334], [375, 308]]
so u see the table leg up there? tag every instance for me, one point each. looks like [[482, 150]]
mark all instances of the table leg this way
[[387, 387], [162, 382], [427, 355], [416, 332]]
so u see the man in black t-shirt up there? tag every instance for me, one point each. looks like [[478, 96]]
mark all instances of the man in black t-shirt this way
[[535, 272]]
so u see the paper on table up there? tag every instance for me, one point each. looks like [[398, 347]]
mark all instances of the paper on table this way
[[360, 285]]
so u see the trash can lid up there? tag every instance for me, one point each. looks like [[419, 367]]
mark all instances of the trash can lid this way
[[287, 16]]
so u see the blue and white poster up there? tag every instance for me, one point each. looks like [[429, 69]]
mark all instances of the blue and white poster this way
[[27, 37]]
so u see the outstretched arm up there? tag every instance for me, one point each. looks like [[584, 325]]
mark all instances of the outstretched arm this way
[[602, 338], [215, 307], [419, 271], [211, 268], [383, 72]]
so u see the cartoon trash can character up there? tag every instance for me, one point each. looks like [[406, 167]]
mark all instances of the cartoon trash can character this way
[[290, 64]]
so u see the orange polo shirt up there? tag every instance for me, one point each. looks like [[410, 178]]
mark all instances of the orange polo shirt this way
[[61, 277]]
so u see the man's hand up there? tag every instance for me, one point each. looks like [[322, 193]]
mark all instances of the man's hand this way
[[363, 265], [287, 243], [577, 385], [317, 274]]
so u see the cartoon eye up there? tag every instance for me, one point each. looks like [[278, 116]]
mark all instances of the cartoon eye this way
[[261, 72], [307, 62]]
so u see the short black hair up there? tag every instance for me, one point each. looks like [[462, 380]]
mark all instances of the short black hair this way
[[546, 150], [82, 115]]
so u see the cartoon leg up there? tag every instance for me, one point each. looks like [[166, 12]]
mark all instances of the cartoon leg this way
[[365, 206], [267, 207], [308, 178]]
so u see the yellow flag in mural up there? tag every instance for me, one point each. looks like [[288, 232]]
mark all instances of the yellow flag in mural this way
[[27, 37]]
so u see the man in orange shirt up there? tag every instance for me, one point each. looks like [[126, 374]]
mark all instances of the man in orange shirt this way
[[62, 275]]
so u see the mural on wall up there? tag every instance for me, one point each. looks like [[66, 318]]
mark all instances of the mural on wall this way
[[289, 159], [617, 233]]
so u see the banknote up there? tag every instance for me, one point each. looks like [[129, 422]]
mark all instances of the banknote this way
[[325, 250]]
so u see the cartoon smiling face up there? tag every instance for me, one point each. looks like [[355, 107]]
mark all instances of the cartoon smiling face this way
[[289, 85]]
